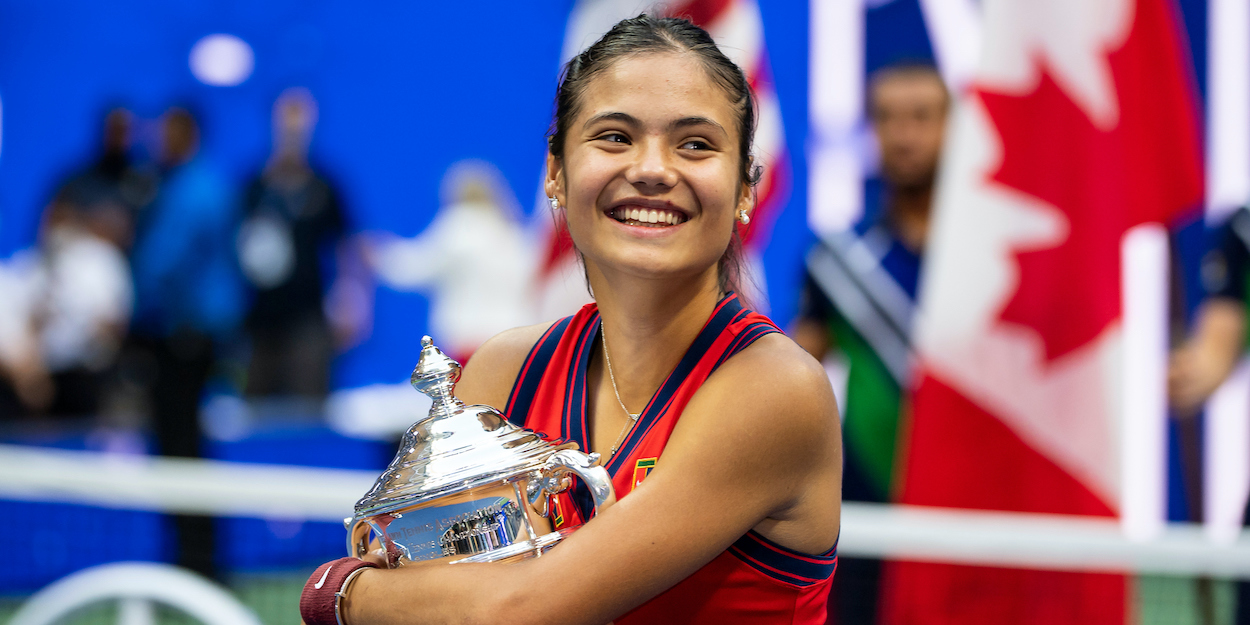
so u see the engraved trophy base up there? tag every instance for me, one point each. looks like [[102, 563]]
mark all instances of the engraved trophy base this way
[[481, 525], [522, 550]]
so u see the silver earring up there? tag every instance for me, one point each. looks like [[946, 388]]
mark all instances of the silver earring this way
[[555, 204], [744, 218]]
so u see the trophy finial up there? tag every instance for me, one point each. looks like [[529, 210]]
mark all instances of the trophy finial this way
[[436, 375]]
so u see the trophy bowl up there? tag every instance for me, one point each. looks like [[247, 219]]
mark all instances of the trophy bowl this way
[[466, 485]]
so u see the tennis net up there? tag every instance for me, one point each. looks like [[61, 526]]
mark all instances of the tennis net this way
[[62, 510]]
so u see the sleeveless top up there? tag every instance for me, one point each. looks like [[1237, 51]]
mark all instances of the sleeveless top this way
[[755, 580]]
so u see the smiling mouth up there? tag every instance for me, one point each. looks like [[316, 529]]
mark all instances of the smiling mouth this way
[[648, 217]]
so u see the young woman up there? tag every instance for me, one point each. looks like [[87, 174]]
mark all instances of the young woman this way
[[721, 433]]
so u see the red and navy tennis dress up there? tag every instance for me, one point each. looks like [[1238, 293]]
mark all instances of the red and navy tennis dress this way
[[755, 580]]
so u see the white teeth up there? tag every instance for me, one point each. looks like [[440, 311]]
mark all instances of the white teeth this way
[[648, 216]]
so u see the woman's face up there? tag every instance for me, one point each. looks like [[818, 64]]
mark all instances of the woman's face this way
[[650, 175]]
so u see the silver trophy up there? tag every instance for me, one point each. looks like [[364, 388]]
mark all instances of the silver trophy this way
[[467, 485]]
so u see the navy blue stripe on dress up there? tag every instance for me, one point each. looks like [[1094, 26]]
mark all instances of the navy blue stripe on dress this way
[[739, 341], [778, 575], [748, 336], [531, 373], [782, 563], [573, 422], [573, 419], [659, 402], [733, 345]]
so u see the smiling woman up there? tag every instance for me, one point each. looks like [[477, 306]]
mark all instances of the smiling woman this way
[[720, 434], [703, 58], [647, 144]]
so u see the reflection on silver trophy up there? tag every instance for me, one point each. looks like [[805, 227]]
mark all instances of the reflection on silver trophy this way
[[467, 485]]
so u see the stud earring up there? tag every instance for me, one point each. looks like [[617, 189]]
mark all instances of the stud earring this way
[[744, 218], [555, 204]]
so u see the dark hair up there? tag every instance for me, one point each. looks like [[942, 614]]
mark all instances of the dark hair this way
[[647, 34]]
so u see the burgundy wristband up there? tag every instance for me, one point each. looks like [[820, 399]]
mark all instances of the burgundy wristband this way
[[317, 606]]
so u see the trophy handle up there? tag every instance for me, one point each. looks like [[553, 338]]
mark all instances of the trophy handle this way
[[585, 466]]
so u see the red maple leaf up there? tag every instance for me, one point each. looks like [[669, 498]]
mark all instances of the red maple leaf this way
[[1147, 168]]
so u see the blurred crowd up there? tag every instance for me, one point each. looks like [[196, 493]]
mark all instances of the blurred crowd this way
[[152, 275], [156, 281], [152, 278]]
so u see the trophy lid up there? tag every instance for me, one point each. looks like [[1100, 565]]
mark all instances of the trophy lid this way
[[453, 449]]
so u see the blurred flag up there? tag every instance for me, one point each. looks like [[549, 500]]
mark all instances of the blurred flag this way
[[739, 31], [1080, 124]]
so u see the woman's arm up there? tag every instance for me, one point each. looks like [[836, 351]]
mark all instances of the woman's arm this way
[[757, 446]]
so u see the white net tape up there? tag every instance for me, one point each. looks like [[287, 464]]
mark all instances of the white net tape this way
[[878, 531]]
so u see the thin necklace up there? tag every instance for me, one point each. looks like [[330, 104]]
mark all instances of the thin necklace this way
[[633, 417]]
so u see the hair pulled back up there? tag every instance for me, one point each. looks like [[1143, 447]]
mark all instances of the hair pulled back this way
[[647, 34]]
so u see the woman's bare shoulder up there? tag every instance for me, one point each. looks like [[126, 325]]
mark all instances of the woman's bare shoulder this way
[[776, 376], [490, 373], [778, 360]]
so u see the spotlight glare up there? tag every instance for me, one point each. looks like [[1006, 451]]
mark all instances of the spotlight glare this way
[[221, 60]]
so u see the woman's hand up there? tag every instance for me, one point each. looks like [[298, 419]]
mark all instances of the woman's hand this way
[[376, 554]]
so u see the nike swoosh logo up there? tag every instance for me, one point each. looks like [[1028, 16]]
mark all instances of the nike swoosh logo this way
[[323, 578]]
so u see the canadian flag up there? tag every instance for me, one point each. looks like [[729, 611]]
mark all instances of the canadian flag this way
[[738, 29], [1081, 124]]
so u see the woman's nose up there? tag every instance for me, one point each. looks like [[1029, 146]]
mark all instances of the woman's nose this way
[[652, 166]]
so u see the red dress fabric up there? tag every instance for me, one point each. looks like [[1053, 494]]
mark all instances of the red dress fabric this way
[[755, 580]]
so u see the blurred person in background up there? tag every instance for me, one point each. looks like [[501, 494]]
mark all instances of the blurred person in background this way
[[25, 384], [188, 305], [83, 302], [473, 260], [110, 193], [87, 291], [69, 300], [858, 299], [1206, 358], [292, 217], [1218, 338]]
